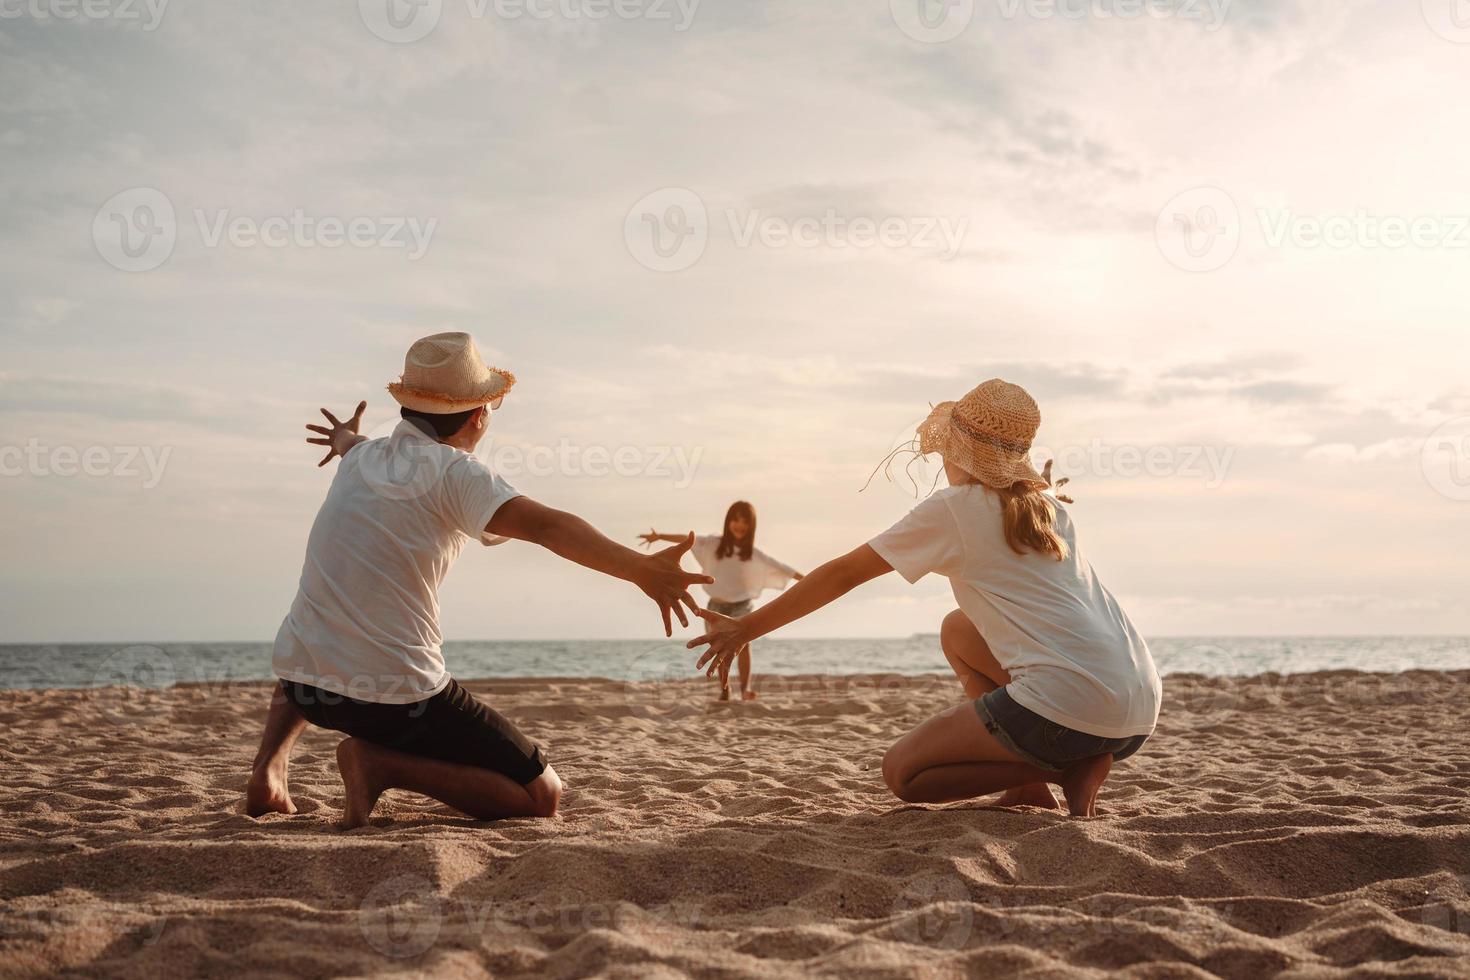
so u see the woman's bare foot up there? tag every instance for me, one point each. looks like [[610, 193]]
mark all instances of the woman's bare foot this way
[[268, 792], [747, 695], [1081, 783], [1037, 795], [362, 787]]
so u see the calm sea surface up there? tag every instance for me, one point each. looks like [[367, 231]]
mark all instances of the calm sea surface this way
[[159, 665]]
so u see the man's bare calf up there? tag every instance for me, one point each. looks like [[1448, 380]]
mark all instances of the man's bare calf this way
[[268, 789], [369, 770]]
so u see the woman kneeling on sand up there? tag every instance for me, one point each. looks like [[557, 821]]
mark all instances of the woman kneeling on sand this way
[[1062, 684]]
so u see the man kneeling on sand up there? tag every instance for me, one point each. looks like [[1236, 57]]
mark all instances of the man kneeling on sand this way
[[360, 651]]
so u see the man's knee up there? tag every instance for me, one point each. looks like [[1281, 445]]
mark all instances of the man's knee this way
[[545, 792]]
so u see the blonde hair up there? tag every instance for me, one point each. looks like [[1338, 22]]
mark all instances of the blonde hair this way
[[1030, 521]]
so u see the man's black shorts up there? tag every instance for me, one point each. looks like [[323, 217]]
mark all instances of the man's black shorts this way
[[453, 725]]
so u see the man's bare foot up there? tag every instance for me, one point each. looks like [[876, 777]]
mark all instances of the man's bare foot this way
[[747, 695], [1081, 783], [1037, 795], [267, 792], [724, 694], [363, 789]]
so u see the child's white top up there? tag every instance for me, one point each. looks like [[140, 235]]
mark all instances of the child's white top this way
[[1073, 656], [365, 622], [736, 580]]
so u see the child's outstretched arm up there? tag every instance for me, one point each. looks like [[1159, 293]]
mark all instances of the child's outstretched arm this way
[[652, 537], [830, 581]]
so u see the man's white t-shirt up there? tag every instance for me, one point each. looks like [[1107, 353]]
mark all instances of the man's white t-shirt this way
[[365, 622], [1073, 656], [737, 580]]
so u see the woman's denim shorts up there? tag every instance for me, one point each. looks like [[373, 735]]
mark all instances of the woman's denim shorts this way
[[1043, 743]]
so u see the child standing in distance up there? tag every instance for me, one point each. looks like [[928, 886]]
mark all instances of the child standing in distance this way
[[741, 572], [1060, 682]]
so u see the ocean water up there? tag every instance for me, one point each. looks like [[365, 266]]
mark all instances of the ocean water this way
[[161, 665]]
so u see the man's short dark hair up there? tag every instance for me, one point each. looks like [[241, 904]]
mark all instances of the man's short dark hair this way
[[444, 426]]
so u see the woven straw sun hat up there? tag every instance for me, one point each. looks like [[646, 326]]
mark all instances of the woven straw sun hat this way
[[444, 374], [988, 434]]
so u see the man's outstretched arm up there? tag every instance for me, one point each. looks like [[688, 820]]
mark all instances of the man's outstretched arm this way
[[659, 575]]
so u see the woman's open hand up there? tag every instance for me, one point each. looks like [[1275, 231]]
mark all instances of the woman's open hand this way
[[725, 638], [1046, 475]]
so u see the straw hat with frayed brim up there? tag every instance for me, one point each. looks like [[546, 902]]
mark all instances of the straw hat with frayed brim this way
[[988, 434], [445, 373]]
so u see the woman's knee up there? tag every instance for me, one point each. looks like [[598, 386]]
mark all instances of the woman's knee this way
[[896, 772], [957, 629]]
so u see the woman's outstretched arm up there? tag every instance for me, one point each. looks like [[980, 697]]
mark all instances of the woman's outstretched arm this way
[[830, 581]]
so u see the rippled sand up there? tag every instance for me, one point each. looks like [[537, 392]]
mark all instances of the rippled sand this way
[[1316, 825]]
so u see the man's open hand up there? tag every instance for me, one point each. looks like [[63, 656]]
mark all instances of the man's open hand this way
[[341, 437], [663, 580]]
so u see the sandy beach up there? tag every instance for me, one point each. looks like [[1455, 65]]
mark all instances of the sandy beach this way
[[1315, 825]]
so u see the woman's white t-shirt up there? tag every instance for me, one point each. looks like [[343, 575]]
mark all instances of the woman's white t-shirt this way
[[737, 580], [365, 622], [1072, 654]]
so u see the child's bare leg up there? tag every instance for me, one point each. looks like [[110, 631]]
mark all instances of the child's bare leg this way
[[725, 682], [368, 770], [952, 757], [268, 789], [746, 692], [980, 673]]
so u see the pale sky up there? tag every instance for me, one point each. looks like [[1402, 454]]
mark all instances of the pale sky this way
[[1303, 406]]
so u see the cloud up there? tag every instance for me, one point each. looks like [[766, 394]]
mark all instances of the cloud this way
[[1346, 452]]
